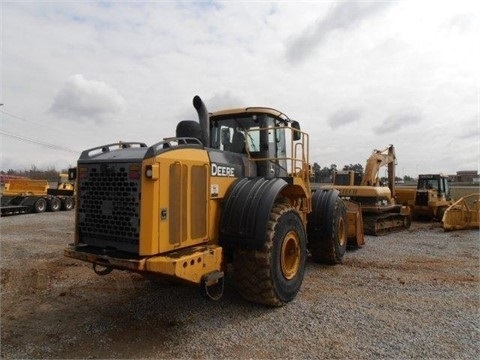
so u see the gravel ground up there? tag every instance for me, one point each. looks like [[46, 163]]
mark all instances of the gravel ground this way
[[413, 294]]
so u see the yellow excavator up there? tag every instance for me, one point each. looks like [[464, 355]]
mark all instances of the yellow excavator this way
[[381, 213]]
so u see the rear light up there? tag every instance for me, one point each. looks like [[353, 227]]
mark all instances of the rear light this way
[[134, 172], [82, 172]]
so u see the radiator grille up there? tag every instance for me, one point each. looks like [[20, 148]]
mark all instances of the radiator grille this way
[[178, 203], [199, 202], [421, 198], [109, 205]]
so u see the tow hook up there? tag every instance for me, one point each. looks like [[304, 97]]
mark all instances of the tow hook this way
[[213, 285], [102, 269]]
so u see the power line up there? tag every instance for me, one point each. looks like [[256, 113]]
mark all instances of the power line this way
[[38, 142], [35, 123]]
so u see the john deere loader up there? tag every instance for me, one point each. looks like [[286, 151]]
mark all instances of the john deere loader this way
[[232, 187]]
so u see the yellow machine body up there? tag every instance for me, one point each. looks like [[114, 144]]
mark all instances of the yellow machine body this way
[[463, 214], [26, 187], [180, 208], [381, 213], [430, 199], [233, 187]]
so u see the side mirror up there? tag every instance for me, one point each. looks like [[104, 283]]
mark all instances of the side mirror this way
[[296, 132]]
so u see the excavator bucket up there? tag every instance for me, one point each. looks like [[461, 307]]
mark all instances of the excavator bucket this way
[[355, 224], [463, 214]]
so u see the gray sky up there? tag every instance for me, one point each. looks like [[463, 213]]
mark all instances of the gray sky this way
[[357, 75]]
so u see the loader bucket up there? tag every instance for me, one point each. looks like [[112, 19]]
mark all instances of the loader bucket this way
[[355, 237], [463, 214]]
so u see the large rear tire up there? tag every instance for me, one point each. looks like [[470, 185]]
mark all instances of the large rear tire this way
[[327, 227], [273, 274]]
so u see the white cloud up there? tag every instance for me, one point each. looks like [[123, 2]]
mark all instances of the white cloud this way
[[82, 99]]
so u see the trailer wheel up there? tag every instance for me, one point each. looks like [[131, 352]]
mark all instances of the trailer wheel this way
[[54, 204], [67, 203], [40, 205], [327, 227], [273, 274]]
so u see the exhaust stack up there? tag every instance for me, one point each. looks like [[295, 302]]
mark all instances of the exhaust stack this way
[[203, 119]]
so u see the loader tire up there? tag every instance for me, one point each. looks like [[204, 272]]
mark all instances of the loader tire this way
[[327, 228], [273, 274], [40, 205]]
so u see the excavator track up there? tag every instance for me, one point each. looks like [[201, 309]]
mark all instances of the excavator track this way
[[382, 224]]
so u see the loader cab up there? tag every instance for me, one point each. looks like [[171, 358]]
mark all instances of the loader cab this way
[[260, 135]]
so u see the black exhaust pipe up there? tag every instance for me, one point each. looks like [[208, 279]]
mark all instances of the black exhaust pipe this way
[[203, 119]]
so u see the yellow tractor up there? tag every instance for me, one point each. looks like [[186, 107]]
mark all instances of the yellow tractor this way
[[431, 198], [231, 188]]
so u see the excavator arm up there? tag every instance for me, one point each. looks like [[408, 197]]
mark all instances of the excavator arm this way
[[378, 159]]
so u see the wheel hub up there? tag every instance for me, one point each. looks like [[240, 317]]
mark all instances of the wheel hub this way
[[290, 255]]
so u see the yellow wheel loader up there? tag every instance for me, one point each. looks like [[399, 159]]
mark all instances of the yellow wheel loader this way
[[230, 188]]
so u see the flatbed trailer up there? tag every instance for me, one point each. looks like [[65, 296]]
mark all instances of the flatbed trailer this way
[[23, 196]]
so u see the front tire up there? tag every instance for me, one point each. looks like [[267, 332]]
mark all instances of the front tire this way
[[273, 274]]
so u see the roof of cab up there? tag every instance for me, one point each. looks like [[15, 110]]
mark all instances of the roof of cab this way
[[251, 110]]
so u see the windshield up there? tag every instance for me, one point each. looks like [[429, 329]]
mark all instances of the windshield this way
[[231, 132]]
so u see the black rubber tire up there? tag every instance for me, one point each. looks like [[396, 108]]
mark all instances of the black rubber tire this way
[[40, 205], [327, 227], [67, 203], [189, 128], [54, 204], [274, 274]]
